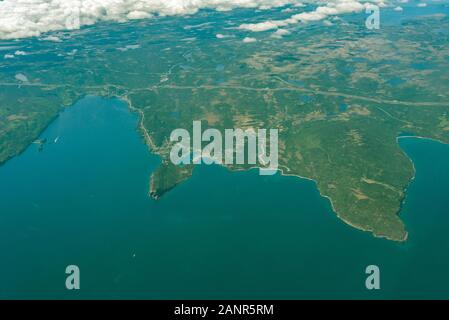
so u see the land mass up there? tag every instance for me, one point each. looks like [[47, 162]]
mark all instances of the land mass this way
[[339, 96]]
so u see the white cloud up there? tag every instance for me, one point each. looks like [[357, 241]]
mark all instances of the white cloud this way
[[52, 38], [28, 18], [262, 26], [249, 40], [331, 8], [21, 77]]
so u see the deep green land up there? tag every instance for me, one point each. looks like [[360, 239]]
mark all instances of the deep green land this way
[[340, 97]]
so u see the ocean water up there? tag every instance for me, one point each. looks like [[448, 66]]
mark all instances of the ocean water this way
[[83, 200]]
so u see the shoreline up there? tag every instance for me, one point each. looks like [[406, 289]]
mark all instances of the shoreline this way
[[282, 169], [338, 215], [141, 126], [149, 142], [283, 172], [412, 179]]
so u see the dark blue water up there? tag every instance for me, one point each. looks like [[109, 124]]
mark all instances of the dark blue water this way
[[83, 200]]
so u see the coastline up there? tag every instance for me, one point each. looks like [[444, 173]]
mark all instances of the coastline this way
[[153, 148], [283, 169], [412, 179], [349, 223], [147, 137], [50, 122], [149, 142]]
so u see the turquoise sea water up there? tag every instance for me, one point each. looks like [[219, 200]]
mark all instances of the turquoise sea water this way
[[83, 200]]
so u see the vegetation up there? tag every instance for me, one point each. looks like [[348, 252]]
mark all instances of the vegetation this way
[[340, 97]]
